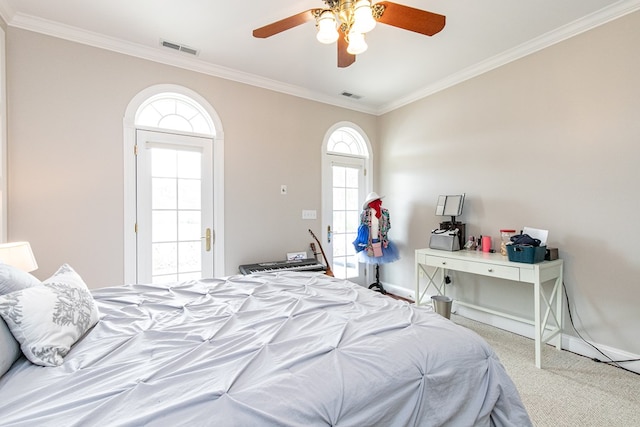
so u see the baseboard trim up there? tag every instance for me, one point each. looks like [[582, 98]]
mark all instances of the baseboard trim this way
[[569, 342], [399, 291]]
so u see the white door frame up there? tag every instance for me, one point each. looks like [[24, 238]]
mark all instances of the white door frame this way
[[129, 127], [147, 140], [327, 182]]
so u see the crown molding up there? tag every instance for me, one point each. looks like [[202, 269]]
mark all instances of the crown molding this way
[[74, 34], [77, 35], [558, 35], [6, 12]]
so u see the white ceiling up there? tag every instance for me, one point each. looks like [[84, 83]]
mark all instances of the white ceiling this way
[[399, 66]]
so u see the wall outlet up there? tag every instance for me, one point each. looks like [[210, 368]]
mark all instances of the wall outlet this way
[[309, 214]]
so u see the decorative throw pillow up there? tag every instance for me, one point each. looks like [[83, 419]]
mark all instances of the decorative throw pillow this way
[[9, 348], [13, 279], [48, 319]]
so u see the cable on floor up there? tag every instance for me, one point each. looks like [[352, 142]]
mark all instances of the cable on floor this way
[[609, 360]]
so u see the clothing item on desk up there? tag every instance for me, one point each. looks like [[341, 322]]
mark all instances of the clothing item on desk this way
[[372, 243]]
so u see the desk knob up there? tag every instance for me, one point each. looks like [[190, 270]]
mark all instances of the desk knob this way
[[491, 270], [444, 263]]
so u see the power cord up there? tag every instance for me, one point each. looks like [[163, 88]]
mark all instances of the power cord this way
[[609, 360]]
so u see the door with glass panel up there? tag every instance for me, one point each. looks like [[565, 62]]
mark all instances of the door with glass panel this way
[[347, 192], [174, 207]]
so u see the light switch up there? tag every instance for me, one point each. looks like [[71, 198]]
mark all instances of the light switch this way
[[309, 214]]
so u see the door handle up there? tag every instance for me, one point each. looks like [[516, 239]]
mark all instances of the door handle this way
[[207, 240]]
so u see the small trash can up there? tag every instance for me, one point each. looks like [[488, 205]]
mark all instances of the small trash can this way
[[442, 305]]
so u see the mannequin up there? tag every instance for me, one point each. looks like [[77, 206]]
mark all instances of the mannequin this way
[[374, 246]]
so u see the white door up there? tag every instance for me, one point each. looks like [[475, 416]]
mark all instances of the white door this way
[[174, 198], [342, 216]]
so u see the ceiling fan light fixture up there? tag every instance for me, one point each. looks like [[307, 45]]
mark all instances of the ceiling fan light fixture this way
[[327, 30], [363, 20], [357, 44]]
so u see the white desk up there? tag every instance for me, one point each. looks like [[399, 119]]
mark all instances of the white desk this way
[[433, 264]]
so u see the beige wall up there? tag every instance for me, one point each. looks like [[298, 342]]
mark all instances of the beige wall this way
[[550, 141], [66, 107]]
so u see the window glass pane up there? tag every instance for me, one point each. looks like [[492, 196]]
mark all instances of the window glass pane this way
[[163, 226], [163, 193], [189, 225], [189, 164], [352, 202], [185, 110], [352, 222], [351, 266], [338, 176], [189, 256], [165, 106], [339, 245], [189, 194], [149, 116], [200, 125], [338, 199], [163, 163], [163, 258], [351, 179], [174, 122], [339, 222]]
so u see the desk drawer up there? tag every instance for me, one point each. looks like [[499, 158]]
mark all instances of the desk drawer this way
[[485, 269]]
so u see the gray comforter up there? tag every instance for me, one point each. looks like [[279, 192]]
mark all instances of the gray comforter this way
[[286, 349]]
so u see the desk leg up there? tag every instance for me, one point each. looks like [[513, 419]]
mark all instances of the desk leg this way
[[559, 311], [417, 297], [431, 279], [536, 323]]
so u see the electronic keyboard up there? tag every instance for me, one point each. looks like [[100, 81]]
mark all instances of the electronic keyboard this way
[[308, 264]]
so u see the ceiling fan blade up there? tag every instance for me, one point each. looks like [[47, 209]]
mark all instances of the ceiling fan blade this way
[[284, 24], [409, 18], [344, 58]]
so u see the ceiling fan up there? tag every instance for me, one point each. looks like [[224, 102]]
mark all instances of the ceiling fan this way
[[347, 22]]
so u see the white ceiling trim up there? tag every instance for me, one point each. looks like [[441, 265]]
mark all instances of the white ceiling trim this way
[[6, 12], [563, 33], [176, 59], [180, 60]]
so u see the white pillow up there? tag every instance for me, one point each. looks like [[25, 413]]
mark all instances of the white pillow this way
[[9, 348], [48, 319], [13, 279]]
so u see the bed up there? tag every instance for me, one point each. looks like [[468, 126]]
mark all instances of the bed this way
[[270, 349]]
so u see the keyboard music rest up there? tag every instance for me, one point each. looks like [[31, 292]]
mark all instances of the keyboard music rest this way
[[309, 264]]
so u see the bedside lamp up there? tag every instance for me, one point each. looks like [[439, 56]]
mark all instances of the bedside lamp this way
[[19, 255]]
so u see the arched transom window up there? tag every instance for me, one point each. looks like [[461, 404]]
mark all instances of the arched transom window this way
[[346, 140], [173, 111]]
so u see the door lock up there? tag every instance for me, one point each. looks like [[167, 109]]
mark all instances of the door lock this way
[[207, 240]]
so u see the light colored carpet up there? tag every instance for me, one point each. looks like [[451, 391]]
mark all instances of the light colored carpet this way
[[570, 390]]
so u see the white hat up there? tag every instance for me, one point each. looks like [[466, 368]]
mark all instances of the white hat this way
[[370, 198]]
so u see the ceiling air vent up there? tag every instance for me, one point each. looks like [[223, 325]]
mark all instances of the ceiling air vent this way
[[350, 95], [179, 47]]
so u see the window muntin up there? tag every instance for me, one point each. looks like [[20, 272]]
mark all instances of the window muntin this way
[[345, 140], [173, 111]]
